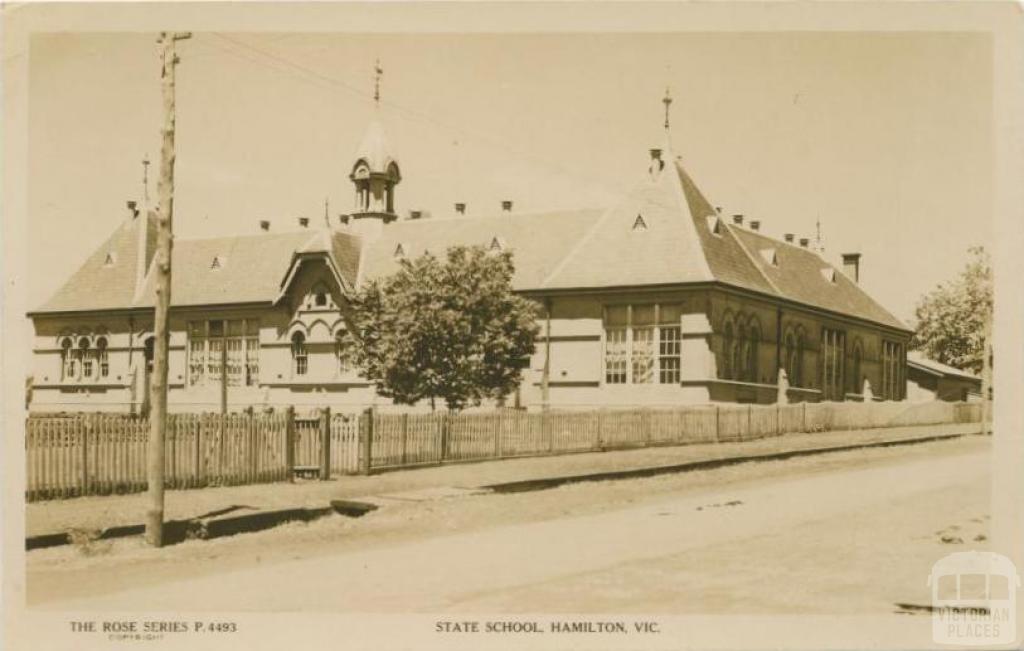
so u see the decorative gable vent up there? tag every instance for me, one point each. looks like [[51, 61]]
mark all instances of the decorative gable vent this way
[[217, 262], [639, 224], [829, 274], [399, 251], [770, 256], [110, 259], [714, 224]]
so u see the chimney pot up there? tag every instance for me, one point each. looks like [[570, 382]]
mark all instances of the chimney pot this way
[[133, 208], [304, 222], [415, 214], [789, 237], [506, 206], [804, 242], [755, 225], [737, 219], [264, 225], [851, 266], [460, 208], [655, 154], [343, 218]]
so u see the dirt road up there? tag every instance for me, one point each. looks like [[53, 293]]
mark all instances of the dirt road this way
[[854, 533]]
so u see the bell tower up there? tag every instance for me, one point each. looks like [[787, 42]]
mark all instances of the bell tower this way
[[375, 173]]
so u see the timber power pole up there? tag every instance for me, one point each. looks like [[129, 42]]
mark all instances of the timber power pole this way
[[164, 241]]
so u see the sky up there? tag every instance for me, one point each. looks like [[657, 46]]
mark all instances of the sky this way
[[884, 138]]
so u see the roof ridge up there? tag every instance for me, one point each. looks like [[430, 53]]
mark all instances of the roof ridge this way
[[680, 192], [757, 266]]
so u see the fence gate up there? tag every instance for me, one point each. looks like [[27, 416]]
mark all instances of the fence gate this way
[[308, 442]]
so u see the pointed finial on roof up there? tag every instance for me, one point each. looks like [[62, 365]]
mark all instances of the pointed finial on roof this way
[[817, 237], [327, 212], [667, 100], [378, 73]]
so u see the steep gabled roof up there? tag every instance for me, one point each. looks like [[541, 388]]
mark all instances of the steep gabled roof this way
[[797, 276], [99, 284], [538, 242]]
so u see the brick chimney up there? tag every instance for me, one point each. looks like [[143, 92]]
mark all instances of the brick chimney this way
[[737, 219], [264, 225], [789, 237], [460, 208], [506, 206], [804, 242], [415, 214], [304, 222], [851, 266], [133, 208], [755, 225]]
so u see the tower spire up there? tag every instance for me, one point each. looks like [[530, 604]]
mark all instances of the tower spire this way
[[667, 101], [378, 73]]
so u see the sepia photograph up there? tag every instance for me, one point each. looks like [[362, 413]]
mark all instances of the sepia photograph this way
[[410, 325]]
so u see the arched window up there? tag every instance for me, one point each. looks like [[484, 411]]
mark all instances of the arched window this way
[[85, 359], [752, 353], [67, 360], [856, 383], [147, 353], [791, 358], [727, 344], [798, 368], [739, 354], [339, 353], [101, 357], [300, 363]]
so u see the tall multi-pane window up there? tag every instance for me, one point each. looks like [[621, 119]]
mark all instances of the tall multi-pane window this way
[[232, 344], [753, 352], [642, 351], [102, 359], [85, 357], [67, 359], [892, 370], [833, 353], [339, 353], [300, 361], [642, 344], [855, 376]]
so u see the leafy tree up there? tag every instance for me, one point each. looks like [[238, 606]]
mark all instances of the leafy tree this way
[[951, 318], [443, 329]]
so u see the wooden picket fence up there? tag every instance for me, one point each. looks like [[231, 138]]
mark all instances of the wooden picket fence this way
[[88, 454]]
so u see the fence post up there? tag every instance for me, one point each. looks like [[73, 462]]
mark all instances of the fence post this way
[[445, 427], [366, 432], [289, 442], [497, 436], [750, 424], [645, 427], [325, 444], [803, 425], [778, 420], [83, 435], [405, 436], [548, 430], [718, 423], [197, 423], [251, 415], [600, 429]]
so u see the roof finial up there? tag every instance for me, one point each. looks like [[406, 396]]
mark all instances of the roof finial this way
[[817, 238], [376, 81], [667, 100], [145, 180], [327, 212]]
